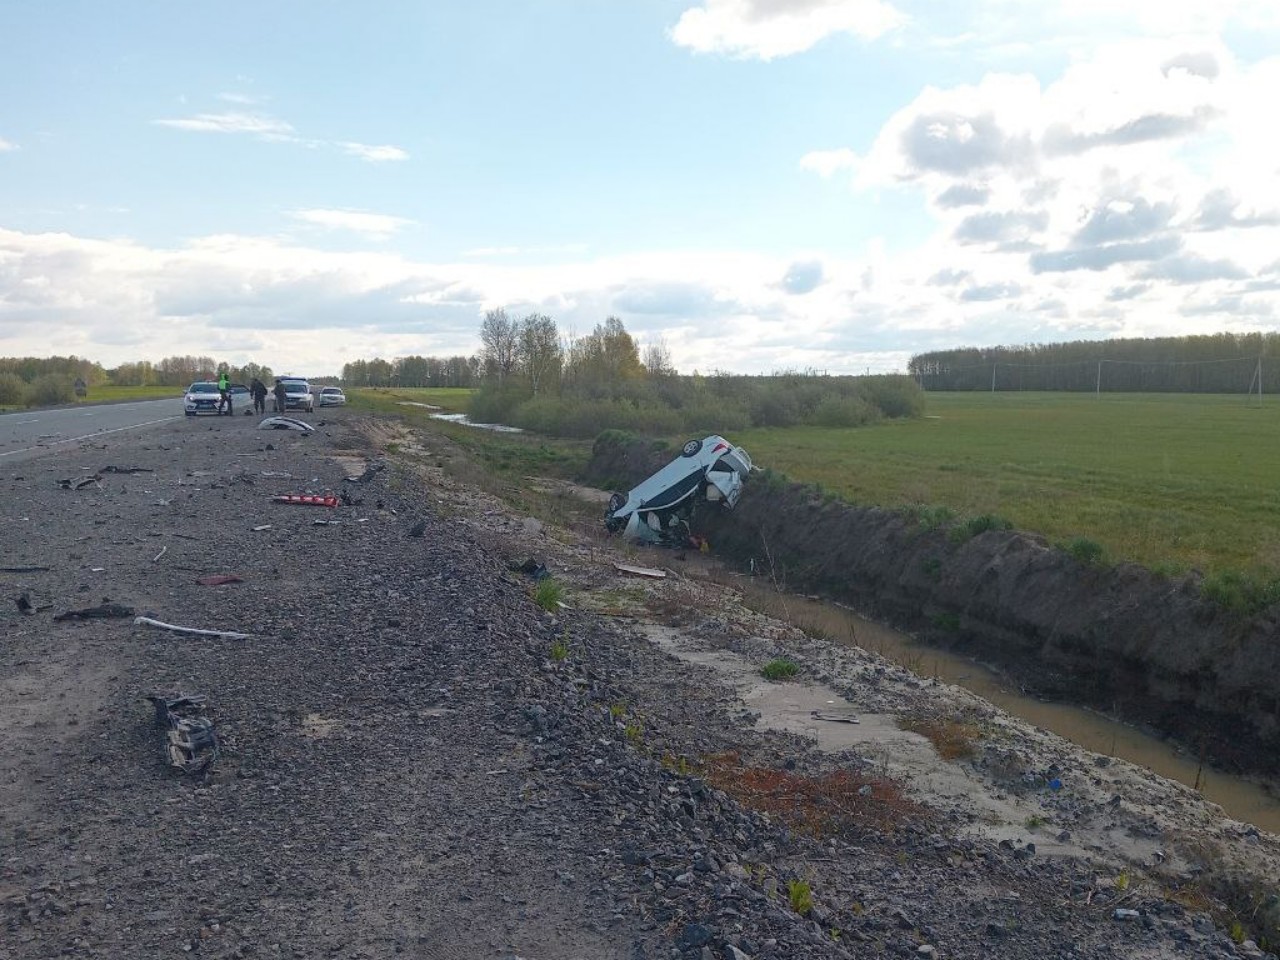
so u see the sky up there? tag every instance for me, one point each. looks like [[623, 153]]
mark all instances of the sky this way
[[762, 185]]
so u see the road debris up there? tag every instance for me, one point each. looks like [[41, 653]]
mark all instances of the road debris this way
[[113, 469], [191, 744], [307, 499], [531, 567], [370, 472], [163, 551], [650, 572], [834, 717], [29, 606], [260, 527], [103, 611], [79, 483], [218, 579], [286, 423], [25, 569], [228, 634]]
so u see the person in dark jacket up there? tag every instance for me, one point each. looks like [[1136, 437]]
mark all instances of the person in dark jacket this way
[[258, 390], [279, 391]]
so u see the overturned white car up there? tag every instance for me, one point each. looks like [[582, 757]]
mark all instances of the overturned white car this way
[[658, 510]]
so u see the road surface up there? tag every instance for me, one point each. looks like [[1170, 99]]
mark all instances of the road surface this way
[[32, 433]]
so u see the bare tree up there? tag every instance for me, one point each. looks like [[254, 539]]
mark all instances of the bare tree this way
[[499, 335], [657, 358], [539, 351]]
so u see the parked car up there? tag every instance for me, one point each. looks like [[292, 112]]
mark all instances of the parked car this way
[[332, 397], [297, 394], [201, 397], [659, 509]]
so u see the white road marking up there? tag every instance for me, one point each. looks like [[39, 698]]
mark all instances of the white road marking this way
[[87, 436]]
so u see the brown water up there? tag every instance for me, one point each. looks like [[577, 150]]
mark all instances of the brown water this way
[[1241, 799]]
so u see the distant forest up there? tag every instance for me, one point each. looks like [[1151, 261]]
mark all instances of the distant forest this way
[[1218, 363]]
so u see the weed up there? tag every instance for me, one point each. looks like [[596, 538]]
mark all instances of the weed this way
[[1123, 881], [633, 731], [946, 621], [678, 765], [1035, 822], [975, 525], [929, 518], [547, 594], [560, 647], [801, 896], [1241, 593], [953, 739], [1084, 551], [1236, 931], [779, 669], [617, 710]]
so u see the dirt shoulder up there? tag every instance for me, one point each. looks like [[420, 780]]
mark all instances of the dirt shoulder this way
[[419, 760]]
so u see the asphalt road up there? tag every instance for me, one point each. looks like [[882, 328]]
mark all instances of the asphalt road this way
[[32, 433]]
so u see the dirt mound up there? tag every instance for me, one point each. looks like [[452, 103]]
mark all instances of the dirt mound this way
[[1121, 639]]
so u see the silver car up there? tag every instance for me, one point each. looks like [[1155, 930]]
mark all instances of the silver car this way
[[658, 510], [332, 397], [297, 395]]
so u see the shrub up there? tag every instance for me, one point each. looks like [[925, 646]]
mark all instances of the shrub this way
[[801, 896], [895, 395], [1085, 551], [980, 524], [547, 594], [844, 412], [779, 669], [49, 390], [1241, 593], [929, 518], [13, 389]]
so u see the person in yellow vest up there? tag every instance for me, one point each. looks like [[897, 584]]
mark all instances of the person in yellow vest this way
[[224, 393]]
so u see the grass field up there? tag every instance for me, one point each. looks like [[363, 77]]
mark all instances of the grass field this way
[[108, 393], [1172, 481], [391, 399]]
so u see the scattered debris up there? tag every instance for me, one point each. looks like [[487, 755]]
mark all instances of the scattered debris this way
[[326, 523], [307, 499], [218, 579], [277, 473], [191, 743], [28, 606], [111, 469], [532, 568], [834, 717], [370, 472], [640, 571], [660, 509], [25, 569], [163, 551], [260, 527], [103, 611], [286, 423], [229, 634], [79, 483], [350, 501]]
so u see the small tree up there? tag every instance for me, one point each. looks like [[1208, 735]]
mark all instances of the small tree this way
[[499, 338], [539, 352]]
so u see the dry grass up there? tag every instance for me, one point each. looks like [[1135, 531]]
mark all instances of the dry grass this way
[[953, 739], [839, 803]]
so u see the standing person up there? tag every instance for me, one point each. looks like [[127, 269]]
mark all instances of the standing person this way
[[224, 393], [279, 391], [258, 390]]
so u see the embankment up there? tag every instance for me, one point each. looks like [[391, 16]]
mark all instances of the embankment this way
[[1121, 639]]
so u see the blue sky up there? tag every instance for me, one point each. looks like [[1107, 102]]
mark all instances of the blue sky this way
[[763, 184]]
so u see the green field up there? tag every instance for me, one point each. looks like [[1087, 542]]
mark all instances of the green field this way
[[390, 399], [107, 394], [1172, 481]]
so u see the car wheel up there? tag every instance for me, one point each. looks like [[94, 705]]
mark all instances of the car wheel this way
[[691, 448], [615, 502]]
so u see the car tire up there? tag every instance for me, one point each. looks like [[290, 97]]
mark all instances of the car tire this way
[[691, 448], [616, 501]]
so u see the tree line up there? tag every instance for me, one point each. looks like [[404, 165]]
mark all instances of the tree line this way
[[413, 371], [44, 381], [1208, 363]]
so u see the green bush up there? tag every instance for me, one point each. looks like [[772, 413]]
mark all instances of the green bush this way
[[779, 669], [1241, 593], [13, 390], [980, 524], [1085, 551], [49, 390], [844, 412]]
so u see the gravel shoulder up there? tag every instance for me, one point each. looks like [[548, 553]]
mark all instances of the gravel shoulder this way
[[419, 760]]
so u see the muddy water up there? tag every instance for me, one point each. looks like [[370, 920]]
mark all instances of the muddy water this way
[[1241, 799]]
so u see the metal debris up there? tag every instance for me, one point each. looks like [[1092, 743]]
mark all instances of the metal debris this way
[[286, 423], [307, 499], [191, 744], [229, 634], [79, 483], [103, 611]]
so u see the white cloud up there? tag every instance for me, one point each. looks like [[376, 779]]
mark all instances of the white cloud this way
[[376, 226], [6, 146], [374, 154], [827, 163], [258, 124], [766, 29]]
